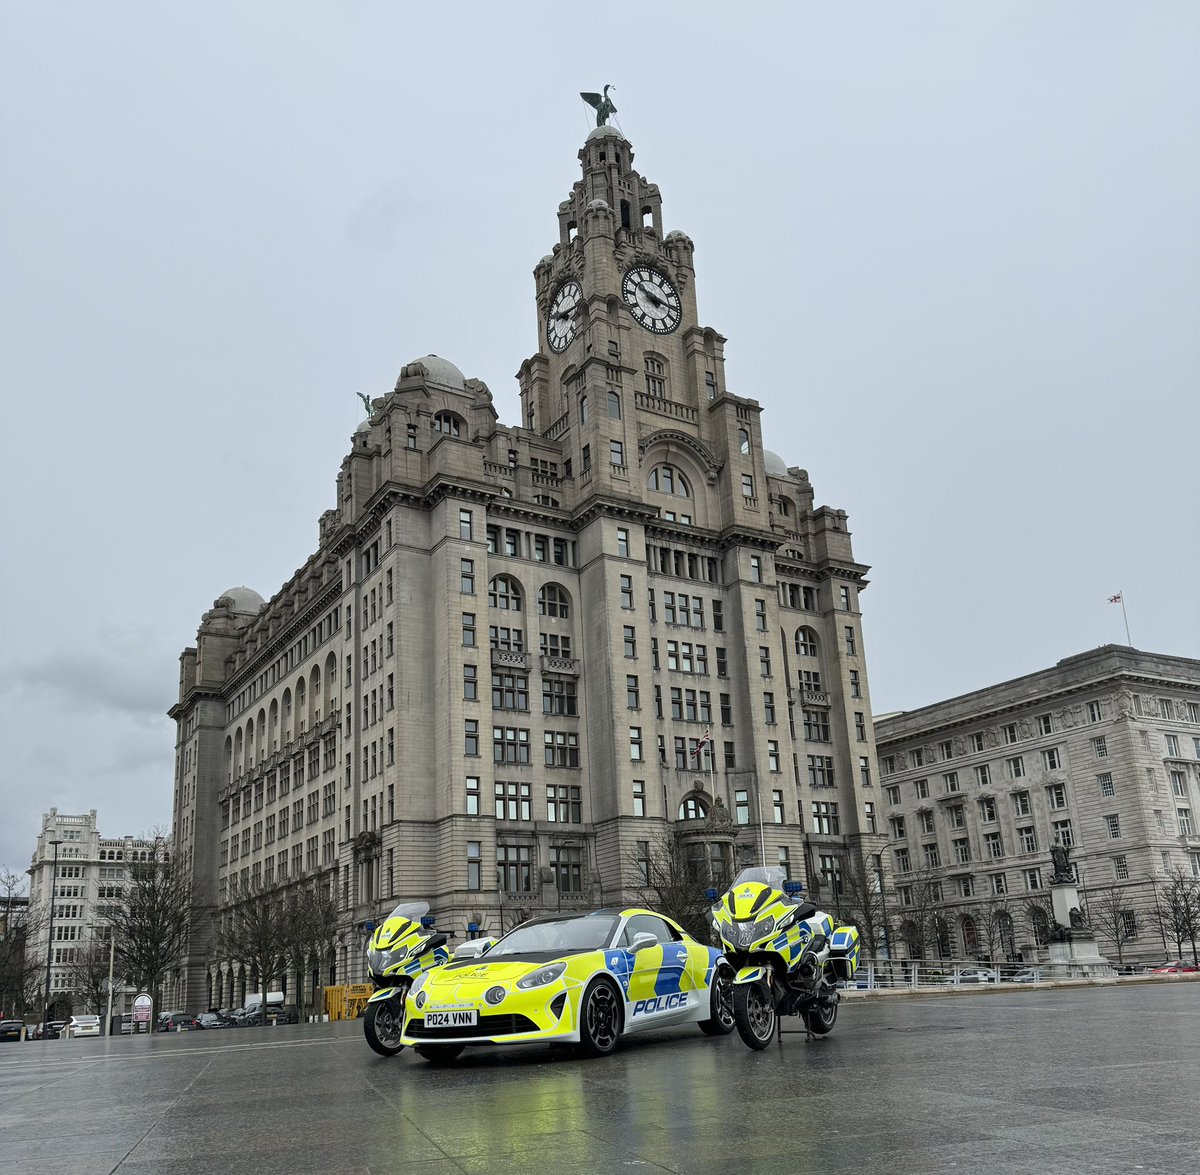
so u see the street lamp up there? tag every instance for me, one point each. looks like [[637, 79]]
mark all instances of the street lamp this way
[[50, 940]]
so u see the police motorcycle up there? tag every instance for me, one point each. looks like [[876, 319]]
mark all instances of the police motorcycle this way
[[787, 955], [401, 948]]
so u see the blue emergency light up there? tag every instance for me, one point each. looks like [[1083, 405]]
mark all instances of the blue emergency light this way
[[793, 887]]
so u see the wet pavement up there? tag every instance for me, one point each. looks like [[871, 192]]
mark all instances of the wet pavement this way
[[1102, 1079]]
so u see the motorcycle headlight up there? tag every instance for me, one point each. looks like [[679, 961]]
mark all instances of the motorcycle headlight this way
[[542, 976], [377, 960]]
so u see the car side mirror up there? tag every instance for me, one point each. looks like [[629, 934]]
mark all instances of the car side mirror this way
[[644, 939]]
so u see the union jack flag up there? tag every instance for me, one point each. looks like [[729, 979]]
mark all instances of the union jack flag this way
[[704, 742]]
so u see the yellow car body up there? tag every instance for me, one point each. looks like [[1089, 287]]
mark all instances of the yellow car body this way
[[511, 995]]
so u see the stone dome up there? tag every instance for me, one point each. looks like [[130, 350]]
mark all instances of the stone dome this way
[[606, 132], [774, 464], [244, 599], [365, 426], [442, 371], [598, 204]]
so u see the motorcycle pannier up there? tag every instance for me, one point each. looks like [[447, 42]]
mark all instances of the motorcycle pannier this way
[[843, 952]]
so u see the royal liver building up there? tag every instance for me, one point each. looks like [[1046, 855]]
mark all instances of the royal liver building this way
[[527, 660]]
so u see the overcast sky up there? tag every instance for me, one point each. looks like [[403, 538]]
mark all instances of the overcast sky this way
[[953, 248]]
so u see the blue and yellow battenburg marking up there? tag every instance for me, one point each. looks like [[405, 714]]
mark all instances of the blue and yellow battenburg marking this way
[[657, 979]]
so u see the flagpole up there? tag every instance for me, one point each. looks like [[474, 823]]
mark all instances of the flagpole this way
[[1119, 598]]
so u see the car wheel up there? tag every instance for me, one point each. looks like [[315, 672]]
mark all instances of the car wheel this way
[[720, 1021], [754, 1013], [599, 1018], [439, 1054], [382, 1024]]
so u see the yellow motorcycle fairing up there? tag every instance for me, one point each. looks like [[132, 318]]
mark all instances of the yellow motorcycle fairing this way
[[750, 975]]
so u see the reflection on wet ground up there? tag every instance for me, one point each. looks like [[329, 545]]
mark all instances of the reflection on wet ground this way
[[1099, 1079]]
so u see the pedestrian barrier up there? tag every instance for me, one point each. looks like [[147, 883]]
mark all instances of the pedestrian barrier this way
[[346, 1001]]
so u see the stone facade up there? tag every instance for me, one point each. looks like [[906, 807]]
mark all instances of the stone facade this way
[[490, 686], [1100, 752], [91, 877]]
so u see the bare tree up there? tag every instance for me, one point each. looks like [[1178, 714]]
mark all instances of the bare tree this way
[[151, 925], [1178, 910], [87, 972], [666, 879], [252, 928], [994, 921], [864, 902], [21, 974], [921, 907], [311, 922], [1110, 914], [1039, 917]]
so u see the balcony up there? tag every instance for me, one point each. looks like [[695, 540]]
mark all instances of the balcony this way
[[815, 698], [509, 659], [567, 665]]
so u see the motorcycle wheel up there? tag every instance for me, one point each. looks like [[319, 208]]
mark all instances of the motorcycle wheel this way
[[754, 1014], [439, 1054], [720, 1021], [821, 1019], [382, 1023]]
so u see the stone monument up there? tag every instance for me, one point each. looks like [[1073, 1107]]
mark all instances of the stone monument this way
[[1073, 952]]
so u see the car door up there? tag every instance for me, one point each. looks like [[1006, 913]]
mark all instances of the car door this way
[[656, 993]]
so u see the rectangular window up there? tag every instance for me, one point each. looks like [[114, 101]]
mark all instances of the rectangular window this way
[[760, 615], [962, 850], [951, 781], [825, 818], [1051, 759], [623, 542], [616, 453], [1100, 747], [764, 661], [627, 592], [993, 845], [639, 797], [474, 862], [1184, 816], [1016, 767], [464, 525], [820, 771], [921, 788], [468, 629], [563, 804], [983, 775], [976, 743], [855, 684], [471, 737], [926, 820], [1106, 784], [851, 642], [514, 868], [999, 884], [1010, 733], [1056, 796], [562, 748], [773, 756], [512, 801], [864, 771], [1027, 839], [1093, 711], [630, 640], [635, 744], [747, 486], [1172, 746], [1021, 805], [1062, 833]]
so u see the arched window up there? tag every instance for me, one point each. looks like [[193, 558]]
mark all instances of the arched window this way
[[1041, 926], [504, 593], [1004, 927], [448, 423], [913, 940], [669, 480], [553, 601], [970, 935], [743, 441], [806, 642], [693, 808]]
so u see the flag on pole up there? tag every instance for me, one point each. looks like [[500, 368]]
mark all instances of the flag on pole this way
[[704, 742], [1115, 599]]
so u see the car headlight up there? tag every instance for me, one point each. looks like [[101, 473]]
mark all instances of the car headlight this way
[[417, 984], [542, 976]]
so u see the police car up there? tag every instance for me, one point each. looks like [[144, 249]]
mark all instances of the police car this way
[[586, 978]]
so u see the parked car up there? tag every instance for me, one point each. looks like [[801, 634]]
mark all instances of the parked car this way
[[178, 1022], [163, 1017], [51, 1030], [975, 975], [1028, 975], [1178, 967], [212, 1020], [126, 1023], [10, 1029], [84, 1026], [288, 1014]]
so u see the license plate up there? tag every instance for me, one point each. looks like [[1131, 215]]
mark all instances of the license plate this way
[[455, 1018]]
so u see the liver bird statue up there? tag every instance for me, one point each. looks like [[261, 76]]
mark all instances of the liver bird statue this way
[[603, 103]]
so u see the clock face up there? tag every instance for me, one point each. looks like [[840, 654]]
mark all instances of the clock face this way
[[652, 299], [560, 323]]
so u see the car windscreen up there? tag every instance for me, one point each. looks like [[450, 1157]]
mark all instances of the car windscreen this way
[[559, 936]]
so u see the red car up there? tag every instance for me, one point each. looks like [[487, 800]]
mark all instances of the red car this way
[[1179, 967]]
